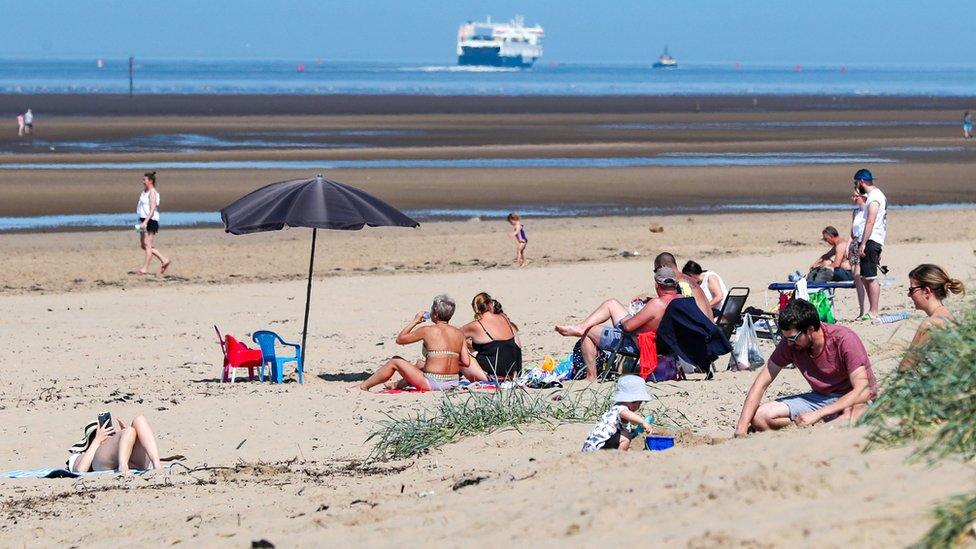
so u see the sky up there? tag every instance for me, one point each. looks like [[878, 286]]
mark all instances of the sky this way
[[760, 31]]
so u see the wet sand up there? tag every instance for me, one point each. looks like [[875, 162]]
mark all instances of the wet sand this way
[[942, 174]]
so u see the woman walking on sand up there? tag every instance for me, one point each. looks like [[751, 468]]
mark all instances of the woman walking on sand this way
[[148, 211]]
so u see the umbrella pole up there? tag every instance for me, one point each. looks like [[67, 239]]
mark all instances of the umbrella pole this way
[[308, 295]]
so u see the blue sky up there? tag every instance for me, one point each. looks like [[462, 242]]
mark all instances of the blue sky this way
[[826, 31]]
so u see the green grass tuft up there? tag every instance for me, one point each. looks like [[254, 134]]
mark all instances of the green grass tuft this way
[[934, 403], [955, 524], [471, 413]]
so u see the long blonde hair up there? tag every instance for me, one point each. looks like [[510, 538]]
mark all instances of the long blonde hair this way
[[935, 278]]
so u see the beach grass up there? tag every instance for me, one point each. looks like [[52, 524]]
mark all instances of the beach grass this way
[[955, 524], [933, 405], [470, 413]]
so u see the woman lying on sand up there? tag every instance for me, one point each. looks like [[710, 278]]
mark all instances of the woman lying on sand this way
[[445, 355], [928, 285], [494, 338], [106, 449]]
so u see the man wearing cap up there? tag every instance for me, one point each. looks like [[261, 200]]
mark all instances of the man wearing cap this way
[[831, 358], [687, 286], [875, 229], [632, 320]]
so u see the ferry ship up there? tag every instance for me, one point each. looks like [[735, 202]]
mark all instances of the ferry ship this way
[[666, 61], [490, 44]]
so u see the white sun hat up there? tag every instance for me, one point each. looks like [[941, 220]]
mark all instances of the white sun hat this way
[[631, 388]]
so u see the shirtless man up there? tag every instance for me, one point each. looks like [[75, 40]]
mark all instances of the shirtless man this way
[[687, 286], [646, 319], [833, 266]]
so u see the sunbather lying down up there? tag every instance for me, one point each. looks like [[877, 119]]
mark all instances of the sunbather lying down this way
[[105, 448], [445, 358]]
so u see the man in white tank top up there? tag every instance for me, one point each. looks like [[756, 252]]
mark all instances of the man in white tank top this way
[[872, 241]]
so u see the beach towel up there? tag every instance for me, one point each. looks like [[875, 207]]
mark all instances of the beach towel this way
[[686, 332], [647, 343], [473, 386], [58, 472]]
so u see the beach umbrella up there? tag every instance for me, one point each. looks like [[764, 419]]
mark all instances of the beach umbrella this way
[[317, 203]]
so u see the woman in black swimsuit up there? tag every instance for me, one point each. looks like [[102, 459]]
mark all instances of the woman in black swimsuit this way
[[494, 338]]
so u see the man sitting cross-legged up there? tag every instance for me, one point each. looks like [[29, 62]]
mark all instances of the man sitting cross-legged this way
[[833, 361], [646, 319]]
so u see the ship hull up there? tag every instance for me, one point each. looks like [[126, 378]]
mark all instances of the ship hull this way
[[490, 57]]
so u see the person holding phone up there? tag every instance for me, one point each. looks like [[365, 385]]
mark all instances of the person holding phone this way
[[445, 357], [105, 448]]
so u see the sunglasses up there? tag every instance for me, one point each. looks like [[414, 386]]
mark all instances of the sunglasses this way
[[911, 289], [792, 339]]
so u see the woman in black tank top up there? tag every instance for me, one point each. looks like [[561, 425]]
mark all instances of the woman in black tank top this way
[[494, 338]]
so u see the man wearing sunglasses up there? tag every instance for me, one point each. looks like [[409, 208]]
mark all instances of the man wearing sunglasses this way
[[875, 229], [833, 361]]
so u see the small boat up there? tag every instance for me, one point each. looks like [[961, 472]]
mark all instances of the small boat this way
[[666, 61]]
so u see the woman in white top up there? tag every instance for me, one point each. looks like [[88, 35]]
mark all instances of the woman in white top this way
[[858, 220], [711, 284], [148, 211]]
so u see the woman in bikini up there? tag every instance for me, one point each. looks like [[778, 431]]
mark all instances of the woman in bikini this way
[[443, 351], [105, 448], [494, 338], [928, 286]]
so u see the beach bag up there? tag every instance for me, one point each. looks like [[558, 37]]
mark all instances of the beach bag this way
[[745, 353], [821, 301], [667, 370]]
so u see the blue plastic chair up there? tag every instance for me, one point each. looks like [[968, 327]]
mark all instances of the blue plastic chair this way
[[266, 339]]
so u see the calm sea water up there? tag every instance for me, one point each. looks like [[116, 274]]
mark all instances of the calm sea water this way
[[444, 78]]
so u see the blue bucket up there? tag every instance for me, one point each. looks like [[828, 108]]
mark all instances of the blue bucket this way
[[657, 443]]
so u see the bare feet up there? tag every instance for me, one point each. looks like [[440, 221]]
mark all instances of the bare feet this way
[[141, 272], [162, 269], [570, 331], [356, 386]]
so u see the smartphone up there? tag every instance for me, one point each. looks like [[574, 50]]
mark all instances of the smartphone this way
[[427, 316], [105, 417]]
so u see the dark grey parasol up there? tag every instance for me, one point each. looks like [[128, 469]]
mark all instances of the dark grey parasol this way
[[317, 203]]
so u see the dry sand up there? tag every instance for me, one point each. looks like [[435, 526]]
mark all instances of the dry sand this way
[[297, 469]]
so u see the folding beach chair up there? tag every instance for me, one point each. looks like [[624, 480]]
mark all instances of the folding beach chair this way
[[731, 316]]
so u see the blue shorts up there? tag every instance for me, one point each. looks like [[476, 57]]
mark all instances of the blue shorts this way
[[808, 402], [613, 337]]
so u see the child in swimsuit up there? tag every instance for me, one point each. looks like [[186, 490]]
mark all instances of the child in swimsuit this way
[[518, 233]]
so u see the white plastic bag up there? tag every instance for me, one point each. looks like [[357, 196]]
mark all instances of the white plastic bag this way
[[801, 289], [745, 353]]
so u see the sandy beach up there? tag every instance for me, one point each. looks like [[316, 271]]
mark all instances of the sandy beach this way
[[292, 461]]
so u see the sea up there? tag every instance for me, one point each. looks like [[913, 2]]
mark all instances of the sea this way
[[324, 76]]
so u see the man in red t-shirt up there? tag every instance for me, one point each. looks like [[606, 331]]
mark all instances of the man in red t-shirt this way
[[831, 358]]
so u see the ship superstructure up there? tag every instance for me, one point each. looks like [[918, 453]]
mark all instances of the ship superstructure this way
[[666, 61], [491, 44]]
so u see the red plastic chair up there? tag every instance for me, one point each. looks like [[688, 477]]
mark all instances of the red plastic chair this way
[[238, 355]]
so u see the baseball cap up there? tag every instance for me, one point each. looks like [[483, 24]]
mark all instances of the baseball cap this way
[[665, 276], [863, 175], [631, 388]]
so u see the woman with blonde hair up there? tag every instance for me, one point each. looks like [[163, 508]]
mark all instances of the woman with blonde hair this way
[[494, 338], [928, 286], [443, 351]]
